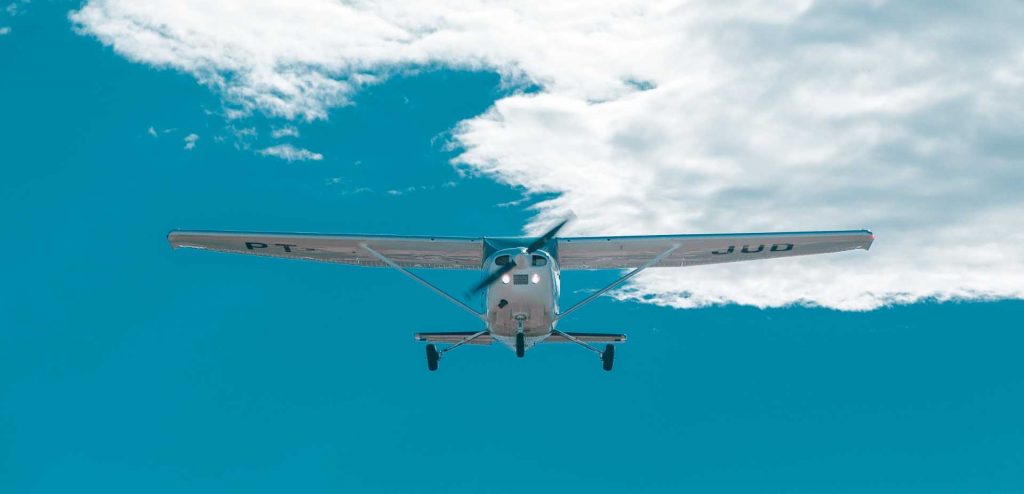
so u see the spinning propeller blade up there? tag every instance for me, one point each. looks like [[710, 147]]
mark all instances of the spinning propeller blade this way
[[544, 239], [534, 246], [486, 282]]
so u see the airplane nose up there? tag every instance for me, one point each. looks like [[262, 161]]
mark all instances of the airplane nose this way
[[522, 260]]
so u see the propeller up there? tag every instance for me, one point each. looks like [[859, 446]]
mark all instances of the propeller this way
[[486, 282], [537, 244], [544, 239]]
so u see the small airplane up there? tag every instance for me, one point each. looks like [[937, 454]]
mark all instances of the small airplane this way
[[520, 275]]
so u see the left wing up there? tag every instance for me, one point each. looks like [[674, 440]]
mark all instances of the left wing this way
[[406, 251], [695, 250]]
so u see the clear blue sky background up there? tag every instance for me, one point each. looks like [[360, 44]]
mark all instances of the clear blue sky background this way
[[127, 367]]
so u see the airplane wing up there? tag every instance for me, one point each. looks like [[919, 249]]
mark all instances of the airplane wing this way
[[695, 250], [406, 251]]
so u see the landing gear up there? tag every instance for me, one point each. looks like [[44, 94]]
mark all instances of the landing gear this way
[[608, 357], [432, 357], [520, 337]]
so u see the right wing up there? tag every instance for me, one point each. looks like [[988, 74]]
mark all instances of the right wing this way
[[695, 250], [410, 252]]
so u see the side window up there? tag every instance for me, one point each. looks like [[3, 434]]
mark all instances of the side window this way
[[540, 261], [501, 260]]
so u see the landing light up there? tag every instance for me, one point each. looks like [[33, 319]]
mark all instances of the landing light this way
[[506, 279], [535, 278]]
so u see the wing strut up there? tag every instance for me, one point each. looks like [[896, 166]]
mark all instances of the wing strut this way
[[576, 340], [617, 282], [465, 340], [423, 282]]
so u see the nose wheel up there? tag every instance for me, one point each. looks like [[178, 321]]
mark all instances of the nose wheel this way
[[520, 337]]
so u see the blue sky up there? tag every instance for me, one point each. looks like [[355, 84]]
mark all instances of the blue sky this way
[[125, 366]]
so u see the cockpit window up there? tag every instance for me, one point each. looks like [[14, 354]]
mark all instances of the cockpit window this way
[[501, 260], [540, 261]]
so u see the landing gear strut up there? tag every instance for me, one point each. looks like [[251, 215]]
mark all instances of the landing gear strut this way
[[434, 355], [520, 337], [607, 356]]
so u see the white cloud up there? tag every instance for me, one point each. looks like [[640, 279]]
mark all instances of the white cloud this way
[[291, 153], [344, 188], [190, 141], [693, 116], [5, 31], [151, 131], [286, 131], [420, 188]]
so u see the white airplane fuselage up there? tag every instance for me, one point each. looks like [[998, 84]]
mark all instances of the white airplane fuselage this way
[[525, 298]]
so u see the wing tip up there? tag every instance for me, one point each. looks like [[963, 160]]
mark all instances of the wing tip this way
[[173, 238], [871, 238]]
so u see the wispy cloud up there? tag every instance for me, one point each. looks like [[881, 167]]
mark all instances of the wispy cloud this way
[[190, 141], [286, 131], [244, 138], [5, 31], [345, 188], [291, 153], [153, 132], [654, 118], [420, 188]]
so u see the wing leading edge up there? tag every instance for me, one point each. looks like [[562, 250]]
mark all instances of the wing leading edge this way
[[573, 252], [696, 250], [406, 251]]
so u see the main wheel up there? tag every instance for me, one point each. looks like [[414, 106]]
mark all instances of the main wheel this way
[[520, 345], [608, 357], [432, 357]]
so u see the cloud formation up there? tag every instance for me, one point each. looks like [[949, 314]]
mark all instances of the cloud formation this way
[[692, 116], [291, 153], [286, 131]]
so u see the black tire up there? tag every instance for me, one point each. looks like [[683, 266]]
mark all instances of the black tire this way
[[608, 357], [432, 357], [520, 345]]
